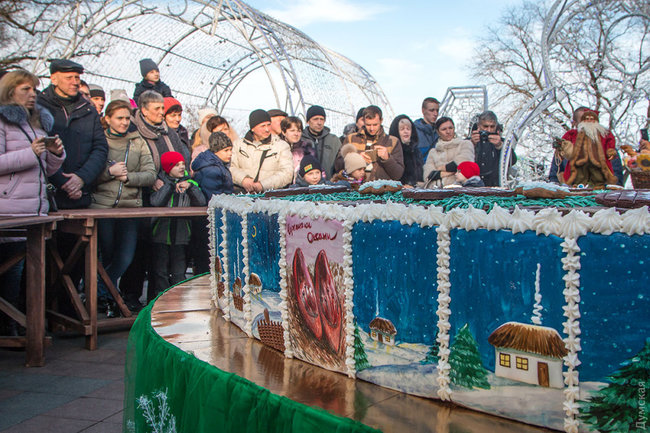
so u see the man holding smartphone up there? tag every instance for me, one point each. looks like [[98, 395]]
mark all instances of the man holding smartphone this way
[[76, 122], [382, 153]]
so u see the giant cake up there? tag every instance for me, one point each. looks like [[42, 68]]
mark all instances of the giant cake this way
[[533, 310]]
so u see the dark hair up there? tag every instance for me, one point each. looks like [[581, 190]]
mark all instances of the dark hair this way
[[429, 100], [174, 109], [372, 111], [215, 121], [112, 107], [290, 121], [442, 120]]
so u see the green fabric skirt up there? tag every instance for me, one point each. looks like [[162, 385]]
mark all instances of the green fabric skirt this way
[[169, 390]]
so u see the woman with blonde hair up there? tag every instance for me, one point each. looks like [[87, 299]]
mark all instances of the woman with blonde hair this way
[[27, 158]]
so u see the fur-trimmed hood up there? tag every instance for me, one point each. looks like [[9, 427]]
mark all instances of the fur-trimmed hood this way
[[17, 114]]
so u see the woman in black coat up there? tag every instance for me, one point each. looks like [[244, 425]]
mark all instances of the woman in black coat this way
[[404, 130]]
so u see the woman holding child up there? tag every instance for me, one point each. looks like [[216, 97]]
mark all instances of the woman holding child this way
[[442, 161]]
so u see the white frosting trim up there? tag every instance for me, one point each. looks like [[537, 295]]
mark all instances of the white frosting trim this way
[[443, 312], [213, 257], [571, 263], [284, 307], [248, 310], [224, 262], [348, 284]]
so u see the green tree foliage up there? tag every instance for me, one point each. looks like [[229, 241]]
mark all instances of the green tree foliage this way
[[360, 358], [432, 355], [465, 361], [622, 406]]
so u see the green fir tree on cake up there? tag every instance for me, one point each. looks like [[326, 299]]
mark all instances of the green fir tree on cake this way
[[465, 361], [622, 406], [432, 354], [360, 357]]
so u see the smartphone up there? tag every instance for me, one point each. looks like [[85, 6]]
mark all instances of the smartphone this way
[[372, 153], [644, 134], [49, 141]]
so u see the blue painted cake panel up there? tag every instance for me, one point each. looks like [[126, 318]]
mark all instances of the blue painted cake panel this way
[[235, 250], [218, 235], [264, 249], [395, 278], [492, 278], [614, 301]]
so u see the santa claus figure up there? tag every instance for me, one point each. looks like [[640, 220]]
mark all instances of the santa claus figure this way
[[589, 150]]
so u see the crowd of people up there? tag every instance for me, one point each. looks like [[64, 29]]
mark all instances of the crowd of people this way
[[64, 146]]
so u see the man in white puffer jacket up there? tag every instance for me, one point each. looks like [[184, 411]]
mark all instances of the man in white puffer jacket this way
[[261, 161]]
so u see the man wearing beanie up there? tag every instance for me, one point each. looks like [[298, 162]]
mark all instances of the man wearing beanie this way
[[261, 161], [382, 153], [150, 80], [327, 145], [97, 97], [77, 123]]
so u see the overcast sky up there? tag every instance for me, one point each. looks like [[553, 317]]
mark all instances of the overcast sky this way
[[414, 49]]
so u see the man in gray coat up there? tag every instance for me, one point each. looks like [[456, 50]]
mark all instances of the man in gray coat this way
[[327, 145]]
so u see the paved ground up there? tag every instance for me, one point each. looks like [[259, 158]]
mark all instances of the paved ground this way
[[76, 391]]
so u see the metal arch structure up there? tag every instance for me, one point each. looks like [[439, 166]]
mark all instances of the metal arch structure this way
[[561, 13], [462, 104], [208, 51]]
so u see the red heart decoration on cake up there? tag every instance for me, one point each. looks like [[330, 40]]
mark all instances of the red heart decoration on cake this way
[[305, 295], [329, 303]]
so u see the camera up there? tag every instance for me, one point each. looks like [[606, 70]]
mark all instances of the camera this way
[[484, 135]]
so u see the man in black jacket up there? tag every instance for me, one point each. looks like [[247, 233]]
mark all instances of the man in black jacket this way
[[77, 123]]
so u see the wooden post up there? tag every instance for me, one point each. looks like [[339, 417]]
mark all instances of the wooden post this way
[[90, 281], [35, 294]]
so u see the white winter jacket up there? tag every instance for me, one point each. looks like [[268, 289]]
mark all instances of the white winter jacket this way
[[277, 168]]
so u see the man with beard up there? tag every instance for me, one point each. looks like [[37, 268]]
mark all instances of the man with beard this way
[[589, 149], [383, 153]]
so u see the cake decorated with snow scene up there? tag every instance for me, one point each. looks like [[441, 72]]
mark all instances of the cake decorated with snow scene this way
[[505, 305]]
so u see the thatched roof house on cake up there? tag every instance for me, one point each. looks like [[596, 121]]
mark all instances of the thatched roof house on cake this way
[[382, 330], [529, 353]]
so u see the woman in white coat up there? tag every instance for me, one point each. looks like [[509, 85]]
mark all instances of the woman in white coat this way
[[442, 161]]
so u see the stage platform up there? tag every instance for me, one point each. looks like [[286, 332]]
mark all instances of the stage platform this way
[[186, 365]]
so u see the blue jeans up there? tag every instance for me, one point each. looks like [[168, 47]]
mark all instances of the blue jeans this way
[[10, 280], [117, 240]]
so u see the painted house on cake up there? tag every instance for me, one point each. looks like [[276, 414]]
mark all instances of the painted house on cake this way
[[382, 330], [529, 353]]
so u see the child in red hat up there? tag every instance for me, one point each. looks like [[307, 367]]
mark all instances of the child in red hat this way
[[171, 235], [469, 174]]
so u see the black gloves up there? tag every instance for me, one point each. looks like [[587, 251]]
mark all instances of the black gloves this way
[[434, 175], [452, 167]]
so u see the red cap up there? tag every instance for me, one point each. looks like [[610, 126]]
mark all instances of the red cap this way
[[170, 102], [469, 169], [169, 159]]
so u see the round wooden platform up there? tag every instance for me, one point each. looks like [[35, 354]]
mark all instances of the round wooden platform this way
[[184, 318]]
